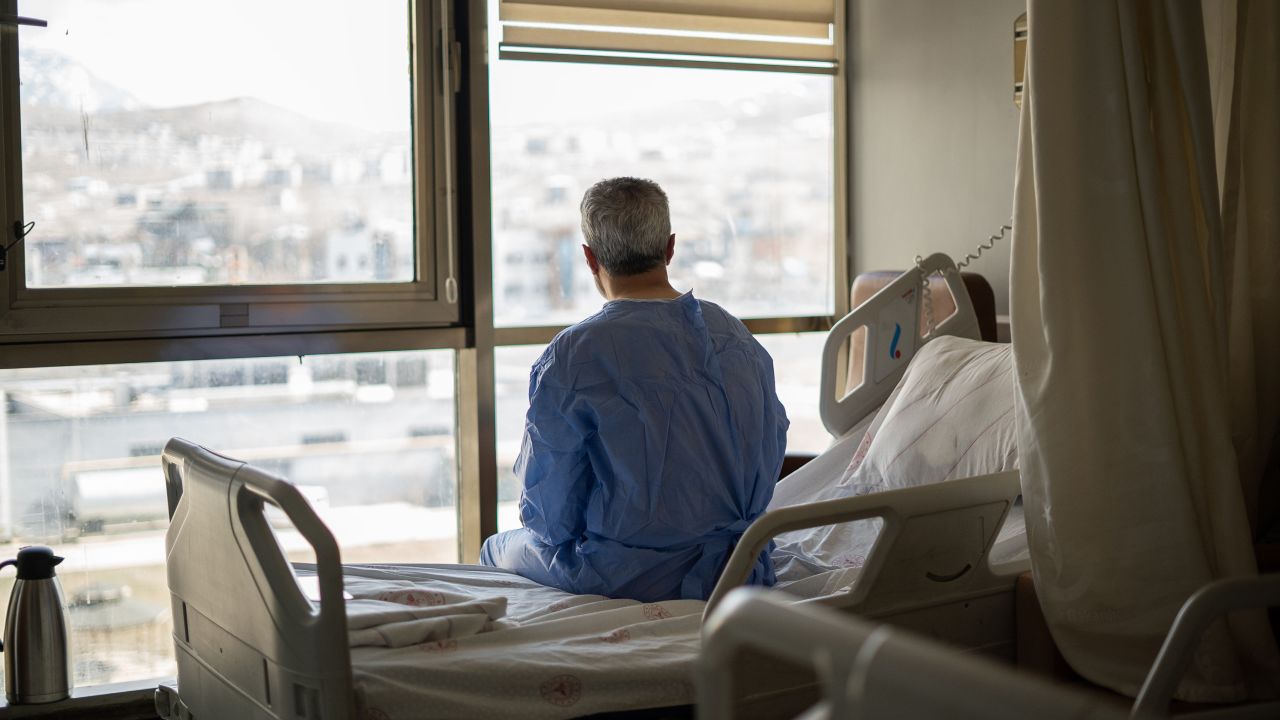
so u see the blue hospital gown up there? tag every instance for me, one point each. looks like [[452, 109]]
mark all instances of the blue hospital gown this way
[[654, 437]]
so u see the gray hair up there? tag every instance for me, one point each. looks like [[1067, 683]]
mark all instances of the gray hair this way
[[626, 222]]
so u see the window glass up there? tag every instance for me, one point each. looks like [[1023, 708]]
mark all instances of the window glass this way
[[221, 143], [511, 393], [797, 362], [369, 439], [746, 159], [797, 368]]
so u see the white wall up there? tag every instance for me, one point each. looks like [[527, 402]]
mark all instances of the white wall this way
[[933, 131]]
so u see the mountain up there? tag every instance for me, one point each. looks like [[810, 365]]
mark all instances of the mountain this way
[[251, 118], [53, 80], [61, 88]]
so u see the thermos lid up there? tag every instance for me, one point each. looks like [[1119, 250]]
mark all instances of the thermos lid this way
[[36, 562]]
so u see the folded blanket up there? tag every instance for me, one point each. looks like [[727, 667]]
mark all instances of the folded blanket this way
[[411, 615]]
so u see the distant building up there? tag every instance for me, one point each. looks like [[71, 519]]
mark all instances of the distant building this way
[[360, 252]]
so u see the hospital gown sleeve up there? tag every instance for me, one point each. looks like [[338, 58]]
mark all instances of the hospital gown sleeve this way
[[553, 466]]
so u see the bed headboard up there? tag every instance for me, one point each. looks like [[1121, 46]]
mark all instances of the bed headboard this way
[[866, 284], [249, 643], [892, 322]]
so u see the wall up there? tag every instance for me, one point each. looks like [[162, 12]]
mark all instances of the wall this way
[[933, 131]]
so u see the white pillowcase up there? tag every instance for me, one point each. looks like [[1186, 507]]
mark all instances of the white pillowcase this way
[[951, 416]]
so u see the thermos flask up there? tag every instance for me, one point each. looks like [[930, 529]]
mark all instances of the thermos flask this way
[[36, 657]]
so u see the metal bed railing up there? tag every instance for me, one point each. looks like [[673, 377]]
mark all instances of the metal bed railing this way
[[873, 670]]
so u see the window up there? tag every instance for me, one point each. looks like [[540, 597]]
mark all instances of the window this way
[[511, 394], [217, 169], [81, 472], [735, 110], [248, 239], [797, 369], [747, 157], [213, 180]]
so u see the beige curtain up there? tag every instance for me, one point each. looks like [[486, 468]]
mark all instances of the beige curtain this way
[[1243, 40], [1120, 330]]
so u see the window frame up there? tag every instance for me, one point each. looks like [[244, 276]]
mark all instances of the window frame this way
[[841, 257], [483, 515], [29, 315], [366, 319], [478, 477]]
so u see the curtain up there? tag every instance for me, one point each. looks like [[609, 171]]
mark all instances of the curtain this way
[[1243, 39], [1120, 304]]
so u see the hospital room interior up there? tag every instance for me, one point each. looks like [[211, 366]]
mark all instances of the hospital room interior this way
[[640, 359]]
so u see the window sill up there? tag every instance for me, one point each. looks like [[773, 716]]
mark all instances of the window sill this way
[[116, 701]]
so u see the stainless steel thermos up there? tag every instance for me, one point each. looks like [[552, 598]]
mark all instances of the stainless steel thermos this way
[[37, 666]]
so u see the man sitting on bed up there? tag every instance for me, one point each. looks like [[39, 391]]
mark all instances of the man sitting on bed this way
[[654, 434]]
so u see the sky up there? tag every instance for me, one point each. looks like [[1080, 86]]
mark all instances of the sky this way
[[329, 59], [339, 60]]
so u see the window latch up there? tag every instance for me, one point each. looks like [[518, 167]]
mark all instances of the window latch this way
[[19, 231]]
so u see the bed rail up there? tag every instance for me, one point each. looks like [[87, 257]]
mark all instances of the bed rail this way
[[892, 321], [921, 550], [812, 639], [249, 643], [873, 670], [1205, 606]]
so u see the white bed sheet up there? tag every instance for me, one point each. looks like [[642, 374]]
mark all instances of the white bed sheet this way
[[552, 655]]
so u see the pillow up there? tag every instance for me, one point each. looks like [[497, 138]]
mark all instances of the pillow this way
[[951, 416]]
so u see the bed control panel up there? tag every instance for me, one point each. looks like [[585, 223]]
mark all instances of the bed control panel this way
[[892, 323], [895, 320], [941, 548]]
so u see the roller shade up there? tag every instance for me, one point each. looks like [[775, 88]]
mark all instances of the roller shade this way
[[789, 35]]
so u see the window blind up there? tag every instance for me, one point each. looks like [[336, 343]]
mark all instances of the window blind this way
[[787, 35]]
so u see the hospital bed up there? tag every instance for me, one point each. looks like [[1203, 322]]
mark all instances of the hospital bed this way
[[250, 643], [873, 670]]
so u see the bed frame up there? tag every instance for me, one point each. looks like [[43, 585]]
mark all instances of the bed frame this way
[[873, 670], [929, 569], [251, 646], [894, 335]]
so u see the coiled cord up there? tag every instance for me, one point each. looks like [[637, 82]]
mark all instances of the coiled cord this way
[[926, 292]]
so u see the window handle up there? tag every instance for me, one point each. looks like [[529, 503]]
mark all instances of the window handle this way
[[6, 19], [449, 80], [19, 231]]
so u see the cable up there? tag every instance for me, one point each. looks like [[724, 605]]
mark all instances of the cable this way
[[926, 292], [983, 247]]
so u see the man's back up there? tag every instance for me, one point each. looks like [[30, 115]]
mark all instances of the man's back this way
[[654, 437]]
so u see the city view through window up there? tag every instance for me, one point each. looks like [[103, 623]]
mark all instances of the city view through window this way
[[369, 439], [746, 160], [280, 162]]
